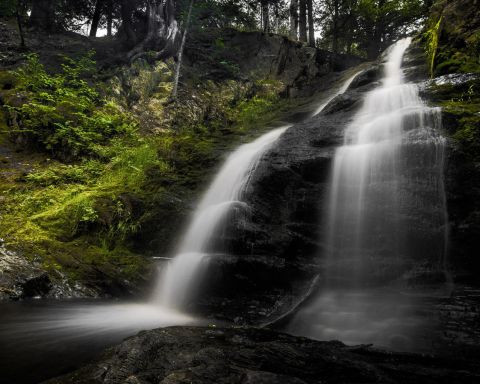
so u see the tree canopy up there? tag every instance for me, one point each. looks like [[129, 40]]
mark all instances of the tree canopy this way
[[361, 27]]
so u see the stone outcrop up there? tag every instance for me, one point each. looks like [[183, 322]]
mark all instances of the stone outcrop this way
[[257, 55], [24, 279], [267, 258], [249, 355]]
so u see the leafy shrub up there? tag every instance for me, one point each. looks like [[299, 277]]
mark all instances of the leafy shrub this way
[[62, 113]]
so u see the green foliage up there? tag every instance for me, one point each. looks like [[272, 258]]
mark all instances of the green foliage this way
[[367, 27], [8, 8], [431, 36], [221, 14], [460, 104], [452, 38], [62, 113], [62, 174], [228, 107], [92, 209], [249, 112]]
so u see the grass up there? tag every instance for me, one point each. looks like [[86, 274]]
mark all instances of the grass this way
[[94, 214]]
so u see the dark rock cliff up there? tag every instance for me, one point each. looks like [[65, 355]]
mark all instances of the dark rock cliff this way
[[266, 256], [249, 355], [270, 255], [455, 86], [256, 55]]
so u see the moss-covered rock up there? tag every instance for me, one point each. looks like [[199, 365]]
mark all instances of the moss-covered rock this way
[[453, 36], [455, 67]]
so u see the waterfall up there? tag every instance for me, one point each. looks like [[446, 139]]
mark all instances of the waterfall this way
[[182, 275], [385, 212], [340, 91], [184, 272], [375, 180]]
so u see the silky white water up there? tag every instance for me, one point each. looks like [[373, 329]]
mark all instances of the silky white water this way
[[385, 210], [181, 277], [375, 180], [224, 194], [340, 91]]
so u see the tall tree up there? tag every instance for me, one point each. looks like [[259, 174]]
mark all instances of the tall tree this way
[[16, 8], [303, 21], [180, 52], [109, 13], [265, 16], [311, 24], [97, 14], [381, 22], [294, 19], [43, 15], [335, 29], [19, 6], [163, 36], [126, 11]]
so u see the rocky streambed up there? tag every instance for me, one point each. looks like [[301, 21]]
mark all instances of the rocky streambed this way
[[252, 355]]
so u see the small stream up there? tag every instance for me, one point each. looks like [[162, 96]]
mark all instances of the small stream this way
[[41, 339]]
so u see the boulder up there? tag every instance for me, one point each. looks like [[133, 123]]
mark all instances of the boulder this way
[[210, 355]]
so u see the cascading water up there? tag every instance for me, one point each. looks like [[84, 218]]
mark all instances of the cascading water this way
[[373, 176], [340, 91], [41, 335], [184, 273], [224, 194], [386, 190]]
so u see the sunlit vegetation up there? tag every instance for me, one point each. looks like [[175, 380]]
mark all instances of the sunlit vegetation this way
[[104, 155], [431, 36]]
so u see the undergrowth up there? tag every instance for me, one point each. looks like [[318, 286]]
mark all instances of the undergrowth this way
[[115, 162]]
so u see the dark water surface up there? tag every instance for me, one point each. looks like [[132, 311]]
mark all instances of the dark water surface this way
[[41, 339]]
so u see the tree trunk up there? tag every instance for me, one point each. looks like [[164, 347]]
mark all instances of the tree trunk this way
[[303, 21], [180, 53], [277, 18], [96, 17], [20, 29], [335, 27], [43, 15], [265, 16], [311, 25], [18, 12], [294, 19], [126, 11], [109, 13], [163, 35], [376, 45]]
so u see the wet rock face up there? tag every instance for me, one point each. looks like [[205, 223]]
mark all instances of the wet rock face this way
[[22, 279], [19, 278], [267, 252], [272, 249], [248, 355], [462, 173]]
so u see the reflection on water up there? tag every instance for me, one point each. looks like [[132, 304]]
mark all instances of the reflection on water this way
[[42, 339], [384, 318]]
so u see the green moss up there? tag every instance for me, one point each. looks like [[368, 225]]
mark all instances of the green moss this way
[[461, 106], [431, 36], [452, 38], [93, 212], [456, 62]]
